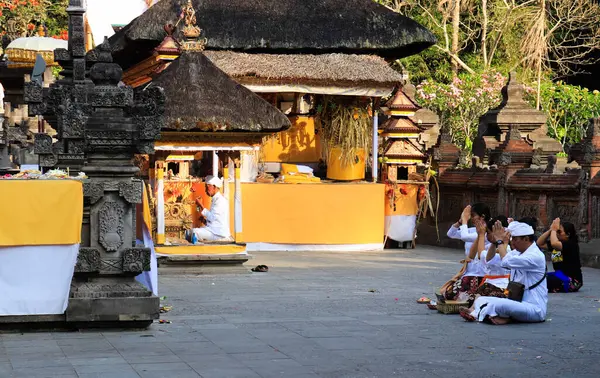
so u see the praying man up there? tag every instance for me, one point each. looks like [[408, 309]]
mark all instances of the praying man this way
[[217, 217]]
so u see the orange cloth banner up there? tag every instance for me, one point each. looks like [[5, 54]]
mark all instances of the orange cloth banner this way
[[40, 212], [405, 200]]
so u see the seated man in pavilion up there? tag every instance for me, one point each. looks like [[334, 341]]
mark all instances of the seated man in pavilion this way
[[217, 218]]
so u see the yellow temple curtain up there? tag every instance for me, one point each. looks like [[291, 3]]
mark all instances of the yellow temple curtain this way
[[40, 212]]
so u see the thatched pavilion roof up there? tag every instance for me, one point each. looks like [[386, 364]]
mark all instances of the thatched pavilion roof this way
[[199, 96], [322, 69], [280, 27]]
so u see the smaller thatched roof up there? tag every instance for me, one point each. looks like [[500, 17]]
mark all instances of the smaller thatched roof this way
[[304, 68], [199, 96]]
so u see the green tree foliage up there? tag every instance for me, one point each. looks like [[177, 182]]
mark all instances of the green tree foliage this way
[[461, 103], [569, 108], [543, 40], [28, 15]]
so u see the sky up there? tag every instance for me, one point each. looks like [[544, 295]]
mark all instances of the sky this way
[[101, 14]]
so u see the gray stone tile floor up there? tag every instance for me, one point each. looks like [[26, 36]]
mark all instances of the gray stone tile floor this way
[[315, 314]]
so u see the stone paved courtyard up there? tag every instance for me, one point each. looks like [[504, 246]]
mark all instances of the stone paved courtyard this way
[[321, 315]]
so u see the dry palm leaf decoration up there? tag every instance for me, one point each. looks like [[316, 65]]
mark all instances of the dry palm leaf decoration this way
[[345, 124]]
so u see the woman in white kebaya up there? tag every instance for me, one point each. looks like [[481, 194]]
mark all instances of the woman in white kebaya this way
[[528, 267], [496, 277], [466, 282]]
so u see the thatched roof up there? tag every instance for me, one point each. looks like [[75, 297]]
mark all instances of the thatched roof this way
[[321, 69], [199, 96], [280, 26]]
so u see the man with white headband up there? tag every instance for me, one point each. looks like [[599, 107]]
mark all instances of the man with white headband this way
[[217, 218], [528, 267]]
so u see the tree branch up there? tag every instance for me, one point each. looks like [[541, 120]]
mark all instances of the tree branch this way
[[456, 58]]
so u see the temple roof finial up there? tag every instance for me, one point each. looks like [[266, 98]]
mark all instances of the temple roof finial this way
[[191, 31]]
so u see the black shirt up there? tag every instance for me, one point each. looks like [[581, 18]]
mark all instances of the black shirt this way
[[567, 260]]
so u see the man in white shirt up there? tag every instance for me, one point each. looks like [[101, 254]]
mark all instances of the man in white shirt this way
[[217, 218], [528, 267]]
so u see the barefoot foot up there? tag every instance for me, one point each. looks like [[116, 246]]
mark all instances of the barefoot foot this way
[[499, 321], [465, 313]]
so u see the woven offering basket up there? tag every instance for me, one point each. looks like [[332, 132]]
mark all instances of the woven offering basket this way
[[451, 307]]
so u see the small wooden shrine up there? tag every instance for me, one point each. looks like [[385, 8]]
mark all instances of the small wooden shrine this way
[[403, 150]]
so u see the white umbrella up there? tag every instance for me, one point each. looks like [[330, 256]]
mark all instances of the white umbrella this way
[[23, 51], [37, 44]]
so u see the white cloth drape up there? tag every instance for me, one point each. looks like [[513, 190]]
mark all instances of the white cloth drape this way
[[400, 228], [36, 280], [160, 208], [150, 278]]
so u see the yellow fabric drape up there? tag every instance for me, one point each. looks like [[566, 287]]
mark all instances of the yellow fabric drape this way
[[147, 216], [40, 212]]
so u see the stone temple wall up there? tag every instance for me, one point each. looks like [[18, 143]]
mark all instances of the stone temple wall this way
[[516, 171]]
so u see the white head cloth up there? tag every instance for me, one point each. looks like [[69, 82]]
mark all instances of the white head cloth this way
[[214, 180], [520, 229]]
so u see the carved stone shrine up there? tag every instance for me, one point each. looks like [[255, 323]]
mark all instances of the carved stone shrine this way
[[517, 171], [100, 125]]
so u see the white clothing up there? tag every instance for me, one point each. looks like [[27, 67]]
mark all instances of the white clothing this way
[[527, 268], [204, 234], [493, 268], [214, 180], [519, 229], [217, 219], [468, 235]]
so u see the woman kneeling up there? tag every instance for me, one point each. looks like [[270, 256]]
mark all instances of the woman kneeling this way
[[562, 240]]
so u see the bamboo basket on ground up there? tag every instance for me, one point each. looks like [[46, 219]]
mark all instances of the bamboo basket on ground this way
[[451, 307]]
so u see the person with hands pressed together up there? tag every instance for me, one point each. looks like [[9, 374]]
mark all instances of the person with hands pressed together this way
[[528, 267], [496, 277], [217, 217], [468, 279], [563, 241]]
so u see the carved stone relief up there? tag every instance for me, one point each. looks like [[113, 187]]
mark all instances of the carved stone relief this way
[[136, 260], [93, 190], [88, 260], [111, 226], [131, 191]]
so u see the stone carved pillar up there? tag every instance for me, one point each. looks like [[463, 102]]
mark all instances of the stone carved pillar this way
[[100, 127], [587, 152], [501, 130], [446, 154]]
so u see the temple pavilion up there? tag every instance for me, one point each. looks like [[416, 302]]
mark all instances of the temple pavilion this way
[[299, 58]]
